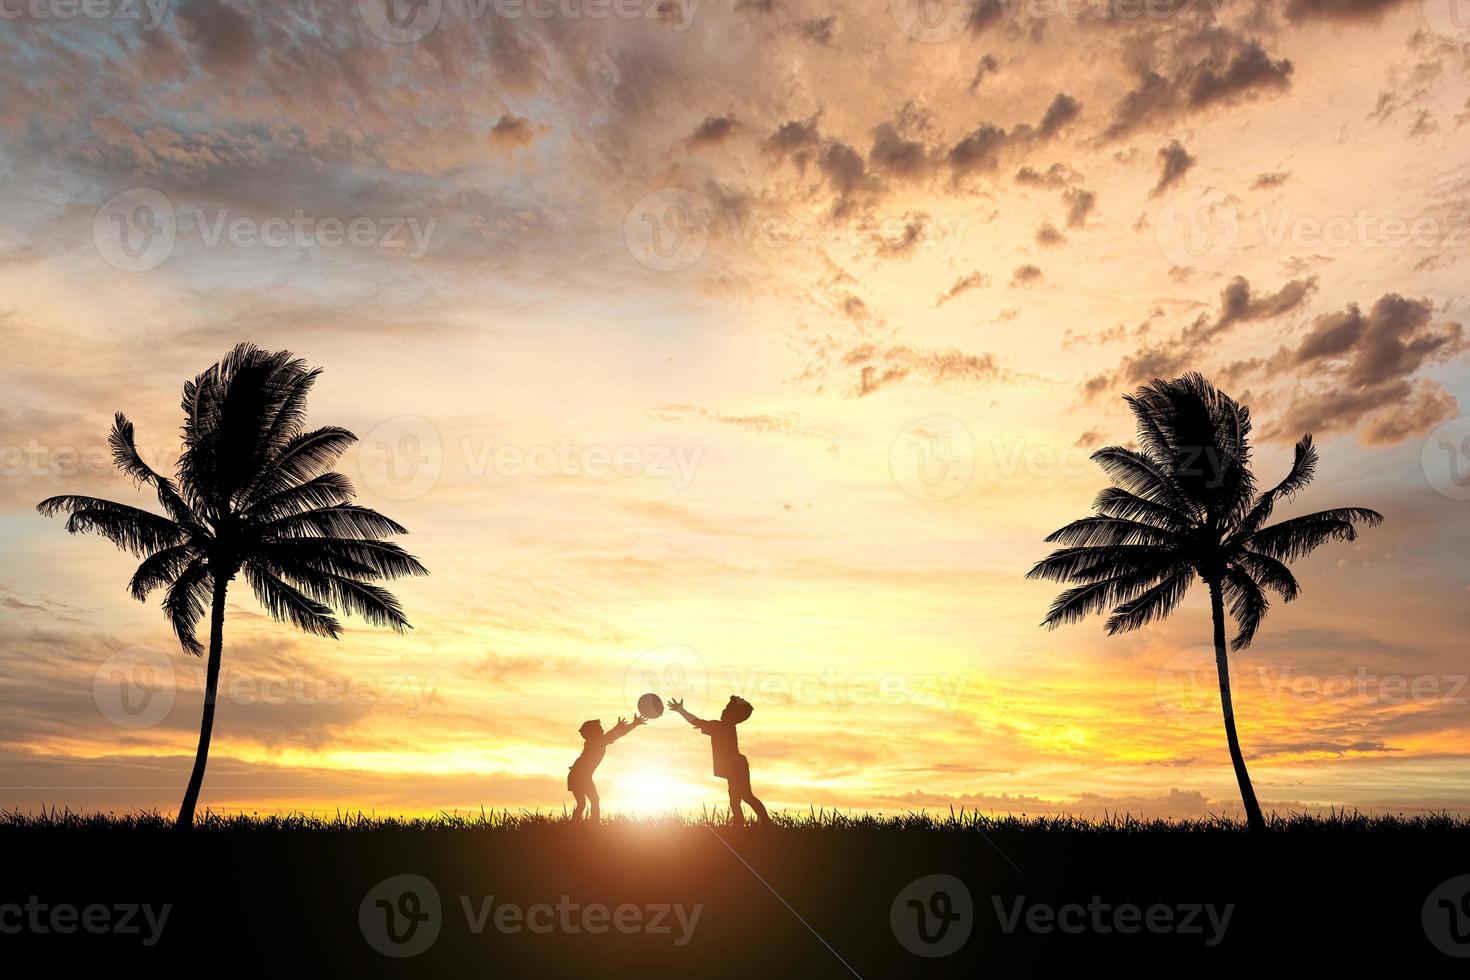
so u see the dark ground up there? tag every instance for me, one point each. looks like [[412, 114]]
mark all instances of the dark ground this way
[[1318, 897]]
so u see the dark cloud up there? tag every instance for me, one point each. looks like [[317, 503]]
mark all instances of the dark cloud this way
[[1210, 68], [1025, 275], [987, 66], [1360, 370], [1189, 348], [1080, 203], [510, 130], [909, 238], [815, 31], [222, 36], [879, 367], [1274, 178], [1049, 236], [1174, 163], [891, 153], [1341, 10], [975, 280], [713, 131], [1063, 110]]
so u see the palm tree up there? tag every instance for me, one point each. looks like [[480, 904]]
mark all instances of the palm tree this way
[[254, 495], [1185, 505]]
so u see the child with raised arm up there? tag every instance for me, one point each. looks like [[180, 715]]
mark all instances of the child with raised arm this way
[[730, 765], [579, 779]]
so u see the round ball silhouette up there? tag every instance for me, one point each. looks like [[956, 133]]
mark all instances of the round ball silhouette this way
[[650, 705]]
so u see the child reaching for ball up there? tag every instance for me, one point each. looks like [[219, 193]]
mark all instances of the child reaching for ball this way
[[579, 779], [730, 765]]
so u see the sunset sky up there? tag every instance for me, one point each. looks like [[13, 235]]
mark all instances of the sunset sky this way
[[743, 347]]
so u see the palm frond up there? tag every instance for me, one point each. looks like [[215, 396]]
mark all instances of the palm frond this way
[[305, 456], [1089, 531], [374, 604], [326, 490], [184, 603], [160, 569], [1089, 564], [339, 521], [1303, 468], [1119, 503], [1155, 604], [289, 604], [1143, 477], [139, 532], [1270, 573], [360, 557], [126, 458], [1300, 536], [1078, 603], [1248, 606]]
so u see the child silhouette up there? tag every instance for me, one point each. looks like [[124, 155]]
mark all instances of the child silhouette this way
[[730, 765], [579, 778]]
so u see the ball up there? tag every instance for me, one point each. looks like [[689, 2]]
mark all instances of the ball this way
[[650, 705]]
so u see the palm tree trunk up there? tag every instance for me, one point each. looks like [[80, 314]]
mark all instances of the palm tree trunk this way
[[1253, 816], [211, 687]]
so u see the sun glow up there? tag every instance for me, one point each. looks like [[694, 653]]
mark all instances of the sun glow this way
[[648, 791]]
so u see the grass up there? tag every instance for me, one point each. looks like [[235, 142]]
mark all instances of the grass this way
[[825, 821]]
